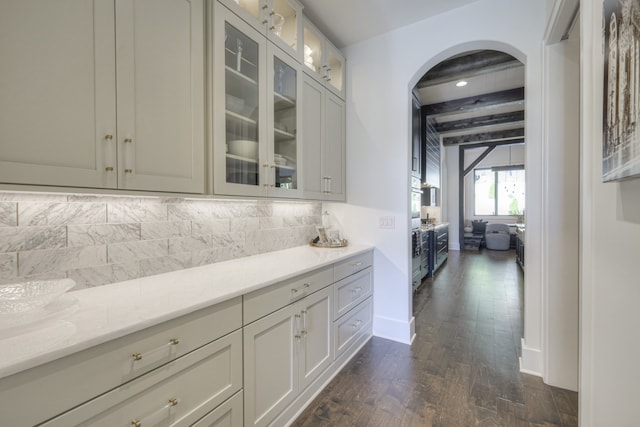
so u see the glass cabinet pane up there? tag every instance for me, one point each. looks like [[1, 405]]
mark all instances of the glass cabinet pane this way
[[241, 107], [284, 22], [285, 122], [251, 6], [334, 71], [312, 50]]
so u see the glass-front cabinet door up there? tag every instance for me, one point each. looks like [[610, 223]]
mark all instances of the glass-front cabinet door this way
[[322, 60], [239, 134], [280, 20], [285, 86]]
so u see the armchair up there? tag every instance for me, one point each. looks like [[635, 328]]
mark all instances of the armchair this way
[[497, 237]]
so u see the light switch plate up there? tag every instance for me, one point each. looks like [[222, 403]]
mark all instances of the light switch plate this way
[[388, 222]]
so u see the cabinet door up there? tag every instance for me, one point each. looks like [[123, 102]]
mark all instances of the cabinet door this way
[[334, 148], [229, 414], [160, 88], [239, 131], [57, 96], [416, 138], [313, 51], [284, 154], [271, 365], [284, 26], [312, 134], [316, 332], [334, 69]]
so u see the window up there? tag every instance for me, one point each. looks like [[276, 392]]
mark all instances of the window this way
[[499, 191]]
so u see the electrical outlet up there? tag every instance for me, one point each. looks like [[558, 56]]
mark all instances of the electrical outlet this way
[[388, 222]]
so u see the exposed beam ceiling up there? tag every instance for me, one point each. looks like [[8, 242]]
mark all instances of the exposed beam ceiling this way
[[475, 103], [513, 117], [467, 66], [508, 135]]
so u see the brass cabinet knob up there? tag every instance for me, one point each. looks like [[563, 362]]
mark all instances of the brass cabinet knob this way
[[128, 171], [109, 169]]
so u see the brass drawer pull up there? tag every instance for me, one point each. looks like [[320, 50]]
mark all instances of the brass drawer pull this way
[[172, 343], [137, 422]]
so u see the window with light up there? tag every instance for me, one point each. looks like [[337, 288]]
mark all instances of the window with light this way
[[499, 191]]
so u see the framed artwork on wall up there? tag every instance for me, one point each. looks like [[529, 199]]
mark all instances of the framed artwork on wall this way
[[621, 112]]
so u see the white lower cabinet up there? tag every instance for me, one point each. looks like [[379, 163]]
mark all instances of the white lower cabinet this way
[[209, 368], [176, 394], [284, 352], [229, 414]]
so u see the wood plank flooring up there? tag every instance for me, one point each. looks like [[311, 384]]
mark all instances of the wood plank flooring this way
[[462, 369]]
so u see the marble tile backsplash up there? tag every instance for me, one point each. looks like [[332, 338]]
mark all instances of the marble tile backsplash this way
[[97, 240]]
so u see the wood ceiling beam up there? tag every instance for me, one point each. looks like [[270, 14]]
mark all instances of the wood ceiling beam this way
[[475, 103], [481, 122], [480, 158], [490, 144], [477, 63], [498, 135]]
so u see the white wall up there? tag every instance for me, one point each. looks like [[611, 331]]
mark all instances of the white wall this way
[[610, 279], [380, 75], [562, 187]]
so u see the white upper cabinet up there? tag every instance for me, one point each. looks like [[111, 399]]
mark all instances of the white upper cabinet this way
[[279, 20], [284, 149], [64, 64], [323, 60], [239, 101], [160, 87], [256, 93], [324, 136], [57, 93]]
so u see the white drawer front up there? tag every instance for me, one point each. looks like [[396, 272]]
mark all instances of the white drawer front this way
[[351, 326], [351, 291], [74, 379], [229, 414], [259, 303], [352, 265], [177, 394]]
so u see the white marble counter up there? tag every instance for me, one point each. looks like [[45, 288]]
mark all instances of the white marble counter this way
[[93, 316]]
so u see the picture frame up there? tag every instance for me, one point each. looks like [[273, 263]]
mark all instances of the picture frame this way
[[323, 238], [334, 237], [621, 109]]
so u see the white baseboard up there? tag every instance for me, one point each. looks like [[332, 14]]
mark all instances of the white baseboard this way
[[531, 360], [394, 330], [412, 328], [454, 246]]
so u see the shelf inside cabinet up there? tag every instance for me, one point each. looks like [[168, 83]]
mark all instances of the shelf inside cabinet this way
[[238, 75], [281, 102], [281, 135], [242, 159], [239, 117]]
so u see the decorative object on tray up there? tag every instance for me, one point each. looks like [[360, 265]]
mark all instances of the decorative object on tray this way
[[26, 296], [621, 135], [341, 244], [328, 238]]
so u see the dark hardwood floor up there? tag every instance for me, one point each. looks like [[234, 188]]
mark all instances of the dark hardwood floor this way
[[462, 369]]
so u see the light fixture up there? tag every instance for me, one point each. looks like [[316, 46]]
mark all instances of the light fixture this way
[[461, 83]]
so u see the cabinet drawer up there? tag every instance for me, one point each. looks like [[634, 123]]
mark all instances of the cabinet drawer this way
[[72, 380], [351, 291], [229, 414], [259, 303], [352, 265], [177, 394], [351, 326]]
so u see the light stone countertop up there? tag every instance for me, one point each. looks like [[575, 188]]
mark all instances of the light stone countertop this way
[[93, 316]]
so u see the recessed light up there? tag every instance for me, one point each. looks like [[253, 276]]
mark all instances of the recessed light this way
[[461, 83]]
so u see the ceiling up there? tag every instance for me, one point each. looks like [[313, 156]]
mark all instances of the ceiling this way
[[346, 22], [483, 116]]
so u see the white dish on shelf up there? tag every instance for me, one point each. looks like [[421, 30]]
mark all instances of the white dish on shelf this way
[[27, 296], [244, 148]]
